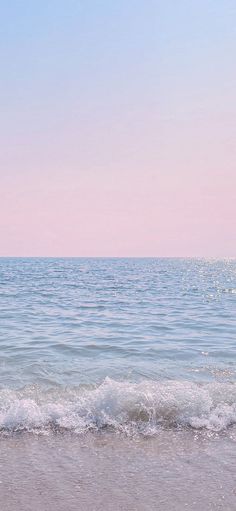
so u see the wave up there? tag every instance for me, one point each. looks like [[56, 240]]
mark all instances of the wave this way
[[125, 407]]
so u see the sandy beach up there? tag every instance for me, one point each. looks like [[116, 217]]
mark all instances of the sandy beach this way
[[104, 471]]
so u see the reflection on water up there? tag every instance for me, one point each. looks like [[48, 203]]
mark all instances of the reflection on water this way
[[73, 321]]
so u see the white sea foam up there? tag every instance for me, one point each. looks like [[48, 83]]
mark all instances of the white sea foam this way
[[123, 406]]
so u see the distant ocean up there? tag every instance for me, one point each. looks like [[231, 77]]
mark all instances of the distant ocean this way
[[117, 376]]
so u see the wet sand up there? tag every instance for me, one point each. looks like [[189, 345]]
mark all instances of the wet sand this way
[[173, 471]]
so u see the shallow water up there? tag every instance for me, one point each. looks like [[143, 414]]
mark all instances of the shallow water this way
[[117, 384], [171, 472]]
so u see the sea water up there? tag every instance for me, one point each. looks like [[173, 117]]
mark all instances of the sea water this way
[[129, 356]]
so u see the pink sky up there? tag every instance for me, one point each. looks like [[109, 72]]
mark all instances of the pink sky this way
[[171, 194], [119, 146]]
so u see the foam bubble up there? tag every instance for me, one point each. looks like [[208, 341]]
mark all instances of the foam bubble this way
[[122, 406]]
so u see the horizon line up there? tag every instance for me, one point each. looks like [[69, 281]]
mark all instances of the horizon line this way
[[116, 257]]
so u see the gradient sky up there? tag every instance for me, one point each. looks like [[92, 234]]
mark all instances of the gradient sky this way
[[118, 128]]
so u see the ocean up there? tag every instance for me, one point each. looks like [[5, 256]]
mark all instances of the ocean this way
[[117, 384]]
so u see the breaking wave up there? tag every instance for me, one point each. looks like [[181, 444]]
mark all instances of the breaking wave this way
[[125, 407]]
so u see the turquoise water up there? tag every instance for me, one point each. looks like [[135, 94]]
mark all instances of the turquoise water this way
[[90, 342]]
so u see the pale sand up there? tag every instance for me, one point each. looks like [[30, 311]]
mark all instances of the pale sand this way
[[174, 471]]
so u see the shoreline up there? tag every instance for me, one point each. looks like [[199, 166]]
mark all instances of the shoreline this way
[[173, 471]]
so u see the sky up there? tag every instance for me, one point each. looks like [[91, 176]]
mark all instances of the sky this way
[[118, 128]]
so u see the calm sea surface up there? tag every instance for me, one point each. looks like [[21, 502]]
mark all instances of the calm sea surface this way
[[117, 384], [73, 321]]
